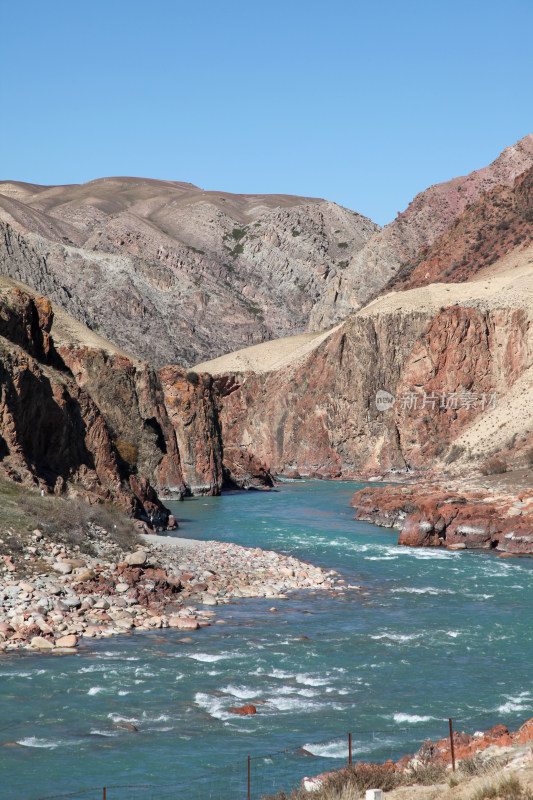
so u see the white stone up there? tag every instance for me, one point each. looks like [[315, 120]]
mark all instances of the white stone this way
[[137, 559], [62, 567]]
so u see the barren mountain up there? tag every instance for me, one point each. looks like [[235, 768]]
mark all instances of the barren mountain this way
[[456, 358], [395, 249], [157, 266], [501, 220]]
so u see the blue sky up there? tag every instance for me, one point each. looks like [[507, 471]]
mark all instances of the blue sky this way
[[361, 103]]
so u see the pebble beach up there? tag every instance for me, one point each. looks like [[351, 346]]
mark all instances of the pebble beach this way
[[163, 582]]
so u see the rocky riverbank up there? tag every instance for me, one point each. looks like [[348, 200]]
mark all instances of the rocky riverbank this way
[[67, 596], [453, 515], [479, 755]]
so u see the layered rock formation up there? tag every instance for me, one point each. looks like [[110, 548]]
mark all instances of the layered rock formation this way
[[456, 359], [156, 265], [52, 434], [431, 516]]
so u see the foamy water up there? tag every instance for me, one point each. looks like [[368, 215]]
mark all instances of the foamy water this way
[[373, 662]]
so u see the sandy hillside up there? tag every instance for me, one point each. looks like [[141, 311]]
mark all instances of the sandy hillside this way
[[507, 283], [267, 356], [474, 789]]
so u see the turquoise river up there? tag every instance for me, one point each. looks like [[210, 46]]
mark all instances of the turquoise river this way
[[430, 634]]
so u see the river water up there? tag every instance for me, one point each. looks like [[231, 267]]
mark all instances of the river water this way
[[430, 634]]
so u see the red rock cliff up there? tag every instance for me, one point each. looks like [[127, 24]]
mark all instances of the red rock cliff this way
[[52, 434]]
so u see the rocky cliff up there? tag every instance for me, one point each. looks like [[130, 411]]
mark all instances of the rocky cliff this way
[[456, 360], [79, 416], [52, 434], [156, 265], [430, 515]]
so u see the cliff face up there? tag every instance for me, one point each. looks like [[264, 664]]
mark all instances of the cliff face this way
[[456, 360], [52, 434], [459, 370], [319, 415], [155, 265], [76, 418]]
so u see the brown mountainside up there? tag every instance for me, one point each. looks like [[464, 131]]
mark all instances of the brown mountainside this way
[[500, 221], [469, 343], [156, 265], [395, 249]]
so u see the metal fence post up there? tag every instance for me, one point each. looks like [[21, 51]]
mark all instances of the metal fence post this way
[[104, 798], [451, 744], [350, 749]]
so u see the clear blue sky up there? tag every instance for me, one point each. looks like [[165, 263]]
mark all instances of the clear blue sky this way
[[363, 103]]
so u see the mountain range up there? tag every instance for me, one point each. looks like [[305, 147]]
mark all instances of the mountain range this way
[[114, 289]]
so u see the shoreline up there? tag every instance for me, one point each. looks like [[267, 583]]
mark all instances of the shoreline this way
[[163, 582], [477, 757], [452, 513]]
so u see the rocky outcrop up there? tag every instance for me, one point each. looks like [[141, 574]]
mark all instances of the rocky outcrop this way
[[459, 369], [52, 434], [454, 363], [191, 404], [164, 423], [170, 261], [394, 250], [319, 415], [430, 516], [467, 746], [130, 398]]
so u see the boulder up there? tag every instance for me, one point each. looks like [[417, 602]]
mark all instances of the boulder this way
[[62, 567], [40, 643], [183, 623], [85, 575], [137, 559], [67, 641], [71, 601], [75, 563], [123, 725], [243, 711]]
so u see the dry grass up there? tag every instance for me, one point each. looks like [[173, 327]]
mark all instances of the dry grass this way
[[351, 783], [476, 779], [508, 788], [69, 521], [127, 451], [493, 466]]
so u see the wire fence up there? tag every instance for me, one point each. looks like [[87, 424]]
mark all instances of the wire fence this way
[[254, 777]]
